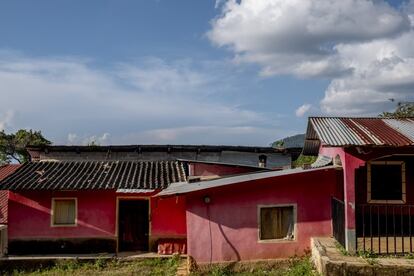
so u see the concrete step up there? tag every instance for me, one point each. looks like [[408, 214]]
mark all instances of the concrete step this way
[[182, 269]]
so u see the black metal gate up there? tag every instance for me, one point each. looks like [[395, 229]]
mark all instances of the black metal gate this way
[[385, 228], [338, 220]]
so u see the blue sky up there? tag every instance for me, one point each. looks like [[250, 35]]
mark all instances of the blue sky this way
[[197, 72]]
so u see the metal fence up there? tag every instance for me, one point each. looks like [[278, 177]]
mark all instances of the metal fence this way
[[338, 220], [385, 229]]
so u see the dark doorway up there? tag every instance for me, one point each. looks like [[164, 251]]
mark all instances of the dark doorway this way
[[133, 225]]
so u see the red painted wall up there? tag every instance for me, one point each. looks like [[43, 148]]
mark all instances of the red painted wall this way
[[168, 217], [350, 163], [227, 228], [29, 215]]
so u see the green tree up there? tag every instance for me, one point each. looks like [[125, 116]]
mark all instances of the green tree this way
[[403, 110], [13, 145], [303, 160]]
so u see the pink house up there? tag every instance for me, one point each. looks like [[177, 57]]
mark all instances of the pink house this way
[[93, 199], [93, 206], [375, 210], [230, 219], [360, 190]]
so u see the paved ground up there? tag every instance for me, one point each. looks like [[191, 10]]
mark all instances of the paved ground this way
[[399, 245], [148, 259], [122, 255]]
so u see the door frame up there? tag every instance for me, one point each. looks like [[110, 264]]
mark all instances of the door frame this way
[[131, 198]]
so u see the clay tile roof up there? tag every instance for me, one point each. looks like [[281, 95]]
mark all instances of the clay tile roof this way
[[348, 131], [6, 170], [87, 175]]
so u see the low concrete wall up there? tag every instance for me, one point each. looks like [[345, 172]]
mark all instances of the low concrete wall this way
[[329, 260]]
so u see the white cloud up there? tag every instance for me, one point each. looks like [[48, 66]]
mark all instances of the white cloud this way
[[75, 139], [157, 75], [72, 137], [195, 134], [363, 46], [302, 110], [384, 69], [97, 140], [6, 119], [73, 102], [218, 3], [297, 36]]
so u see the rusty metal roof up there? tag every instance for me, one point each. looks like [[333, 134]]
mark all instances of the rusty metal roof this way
[[86, 175], [346, 131], [6, 170]]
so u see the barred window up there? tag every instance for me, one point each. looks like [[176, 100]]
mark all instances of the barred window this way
[[386, 182], [64, 211], [277, 223]]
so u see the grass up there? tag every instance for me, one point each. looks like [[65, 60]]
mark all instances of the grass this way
[[293, 267], [341, 249], [102, 267], [369, 256], [303, 160], [105, 267]]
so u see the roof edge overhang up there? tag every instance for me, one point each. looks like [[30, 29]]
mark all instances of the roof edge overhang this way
[[182, 188], [224, 164], [146, 148], [312, 141]]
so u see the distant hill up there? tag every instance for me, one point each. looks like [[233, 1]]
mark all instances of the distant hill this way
[[295, 141]]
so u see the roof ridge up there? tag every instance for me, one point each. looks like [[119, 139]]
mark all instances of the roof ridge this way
[[358, 131]]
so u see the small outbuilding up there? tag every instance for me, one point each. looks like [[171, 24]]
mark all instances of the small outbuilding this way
[[262, 215], [376, 210]]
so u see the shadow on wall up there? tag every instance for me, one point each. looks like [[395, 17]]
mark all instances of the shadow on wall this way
[[220, 227], [236, 206], [30, 216], [229, 243]]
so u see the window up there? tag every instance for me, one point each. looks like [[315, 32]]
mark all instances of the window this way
[[386, 182], [64, 211], [277, 222]]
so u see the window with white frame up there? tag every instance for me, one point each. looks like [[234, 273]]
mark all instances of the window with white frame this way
[[277, 222], [64, 211], [386, 182]]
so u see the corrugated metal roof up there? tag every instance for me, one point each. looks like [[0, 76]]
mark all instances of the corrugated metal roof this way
[[322, 161], [406, 127], [184, 187], [6, 170], [82, 175], [343, 131]]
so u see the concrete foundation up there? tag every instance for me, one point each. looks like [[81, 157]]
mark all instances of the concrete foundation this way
[[329, 260]]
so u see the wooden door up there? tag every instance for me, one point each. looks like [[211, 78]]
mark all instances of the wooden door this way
[[133, 225]]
